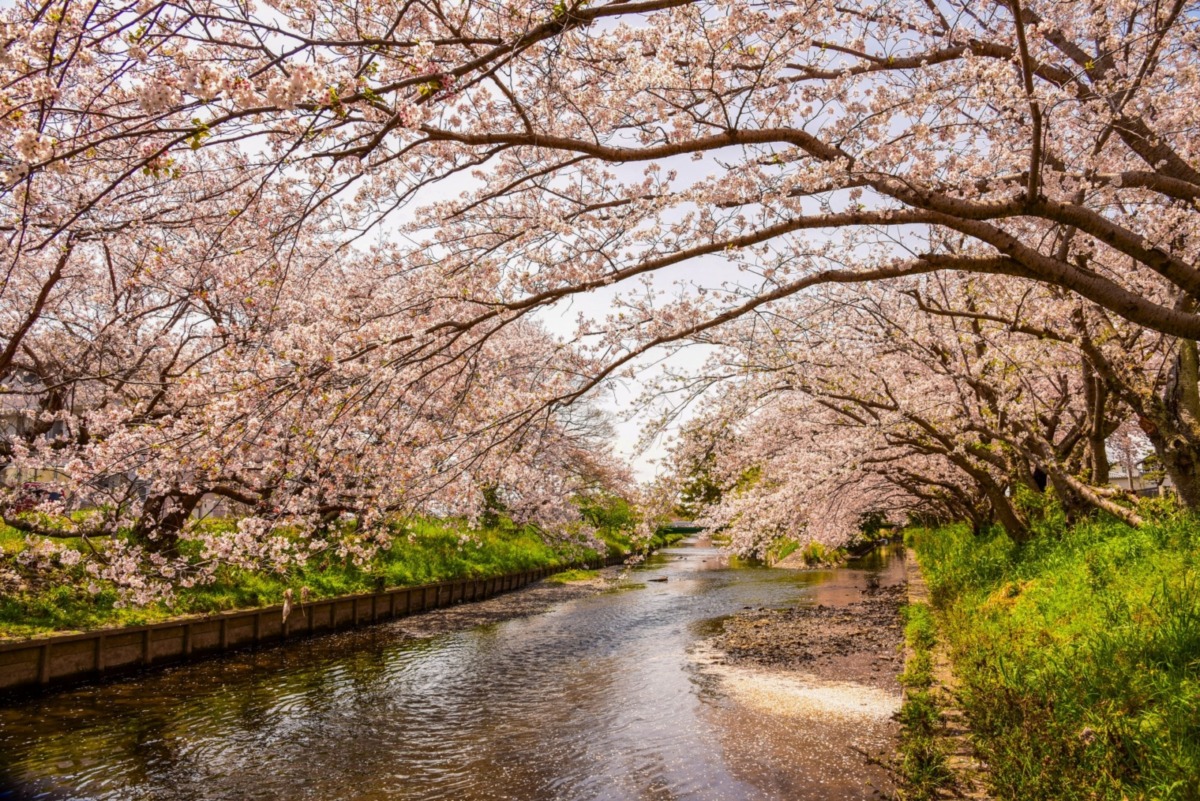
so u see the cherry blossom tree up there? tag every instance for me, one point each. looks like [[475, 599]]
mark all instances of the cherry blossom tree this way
[[1018, 139], [275, 246], [176, 369], [1022, 141], [863, 401]]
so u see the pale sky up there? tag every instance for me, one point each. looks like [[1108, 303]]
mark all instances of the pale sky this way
[[561, 319]]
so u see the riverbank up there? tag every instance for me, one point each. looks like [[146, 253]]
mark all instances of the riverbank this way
[[597, 696], [824, 674], [534, 599], [1077, 655], [935, 757], [429, 551], [857, 641], [38, 663]]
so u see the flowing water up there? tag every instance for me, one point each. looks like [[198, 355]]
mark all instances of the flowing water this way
[[601, 697]]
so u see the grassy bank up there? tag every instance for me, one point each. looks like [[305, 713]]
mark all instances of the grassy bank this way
[[921, 761], [572, 576], [1078, 655], [433, 551]]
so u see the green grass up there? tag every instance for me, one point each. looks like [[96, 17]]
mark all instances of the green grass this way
[[814, 554], [662, 539], [1078, 655], [921, 760], [426, 551], [568, 576], [781, 549], [11, 540]]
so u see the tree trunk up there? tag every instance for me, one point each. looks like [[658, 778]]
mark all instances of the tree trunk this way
[[1088, 497], [1074, 505], [1007, 515], [1169, 416], [1181, 460], [1176, 437], [163, 518], [1096, 396]]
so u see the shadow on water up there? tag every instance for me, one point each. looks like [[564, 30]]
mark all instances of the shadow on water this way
[[597, 698]]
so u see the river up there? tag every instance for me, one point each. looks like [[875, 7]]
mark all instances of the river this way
[[609, 697]]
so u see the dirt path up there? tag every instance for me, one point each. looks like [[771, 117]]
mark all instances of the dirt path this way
[[969, 776]]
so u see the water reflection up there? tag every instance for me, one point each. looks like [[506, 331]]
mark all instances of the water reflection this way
[[596, 699]]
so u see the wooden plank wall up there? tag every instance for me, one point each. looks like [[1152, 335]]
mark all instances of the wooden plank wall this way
[[45, 661]]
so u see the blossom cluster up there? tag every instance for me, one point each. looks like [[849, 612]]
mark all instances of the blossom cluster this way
[[289, 264]]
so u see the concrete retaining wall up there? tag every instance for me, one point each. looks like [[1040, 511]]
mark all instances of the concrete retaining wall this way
[[45, 661]]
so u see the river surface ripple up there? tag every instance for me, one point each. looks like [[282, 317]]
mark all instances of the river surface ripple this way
[[601, 698]]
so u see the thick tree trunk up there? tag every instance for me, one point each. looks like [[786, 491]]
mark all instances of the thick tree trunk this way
[[1096, 396], [1181, 460], [1088, 498], [1187, 384], [1170, 417], [1176, 435], [1075, 505], [1007, 515], [163, 518]]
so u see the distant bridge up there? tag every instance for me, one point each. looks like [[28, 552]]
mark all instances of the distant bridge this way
[[682, 527]]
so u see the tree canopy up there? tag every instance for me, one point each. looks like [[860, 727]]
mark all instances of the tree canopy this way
[[292, 254]]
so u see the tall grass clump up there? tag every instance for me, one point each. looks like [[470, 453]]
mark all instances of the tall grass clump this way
[[1078, 654]]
